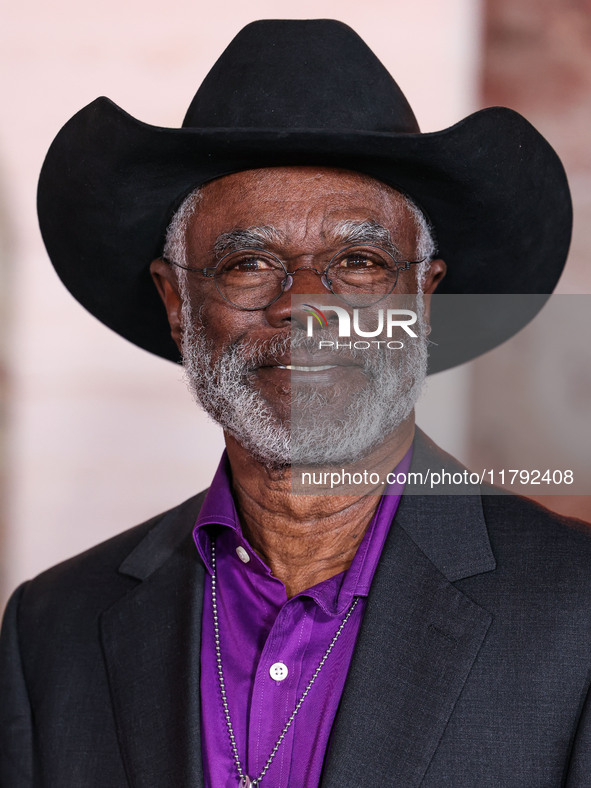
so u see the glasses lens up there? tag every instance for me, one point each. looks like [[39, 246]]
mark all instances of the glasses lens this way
[[359, 273], [250, 278]]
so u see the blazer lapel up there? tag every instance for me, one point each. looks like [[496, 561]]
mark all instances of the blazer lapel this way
[[419, 638], [151, 643]]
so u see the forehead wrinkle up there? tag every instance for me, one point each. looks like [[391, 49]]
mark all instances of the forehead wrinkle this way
[[368, 231], [247, 238]]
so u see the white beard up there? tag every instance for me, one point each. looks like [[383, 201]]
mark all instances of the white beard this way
[[324, 428]]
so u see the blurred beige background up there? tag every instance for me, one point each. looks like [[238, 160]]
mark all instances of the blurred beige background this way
[[99, 435]]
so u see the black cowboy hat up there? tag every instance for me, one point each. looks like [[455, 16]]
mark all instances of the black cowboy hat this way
[[290, 92]]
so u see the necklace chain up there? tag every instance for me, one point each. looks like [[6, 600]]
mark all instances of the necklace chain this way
[[244, 779]]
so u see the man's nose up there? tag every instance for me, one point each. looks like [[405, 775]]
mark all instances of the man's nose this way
[[303, 280]]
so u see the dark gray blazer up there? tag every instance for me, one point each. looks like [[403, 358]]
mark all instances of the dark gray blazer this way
[[472, 668]]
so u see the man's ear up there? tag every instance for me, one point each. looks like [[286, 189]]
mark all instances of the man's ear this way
[[166, 283], [434, 275]]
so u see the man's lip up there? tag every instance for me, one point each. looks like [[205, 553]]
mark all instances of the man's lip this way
[[318, 360], [316, 366], [313, 368]]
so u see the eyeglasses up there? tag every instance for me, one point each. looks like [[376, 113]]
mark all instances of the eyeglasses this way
[[253, 279]]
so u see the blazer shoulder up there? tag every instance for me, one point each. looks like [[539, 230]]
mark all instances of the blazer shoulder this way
[[520, 518], [92, 578], [550, 553], [533, 548]]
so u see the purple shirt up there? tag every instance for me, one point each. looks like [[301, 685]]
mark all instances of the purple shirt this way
[[271, 646]]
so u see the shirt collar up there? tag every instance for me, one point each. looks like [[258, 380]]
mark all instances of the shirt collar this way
[[218, 509]]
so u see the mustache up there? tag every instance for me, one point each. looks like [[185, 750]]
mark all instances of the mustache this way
[[276, 349]]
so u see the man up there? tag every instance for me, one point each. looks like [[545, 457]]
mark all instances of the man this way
[[256, 636]]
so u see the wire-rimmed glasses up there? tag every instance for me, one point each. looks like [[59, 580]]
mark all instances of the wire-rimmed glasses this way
[[253, 279]]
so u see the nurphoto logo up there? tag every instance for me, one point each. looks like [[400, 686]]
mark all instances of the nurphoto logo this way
[[387, 320]]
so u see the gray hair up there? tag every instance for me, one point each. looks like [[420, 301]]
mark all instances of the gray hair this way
[[175, 246]]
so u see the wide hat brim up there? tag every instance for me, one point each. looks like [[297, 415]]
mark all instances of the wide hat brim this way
[[493, 188]]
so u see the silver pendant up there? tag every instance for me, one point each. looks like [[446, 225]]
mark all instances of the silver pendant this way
[[245, 782]]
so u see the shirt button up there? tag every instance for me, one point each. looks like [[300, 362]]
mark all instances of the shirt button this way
[[242, 554], [278, 671]]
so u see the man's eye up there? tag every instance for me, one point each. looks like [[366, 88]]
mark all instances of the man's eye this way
[[357, 263], [249, 265]]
